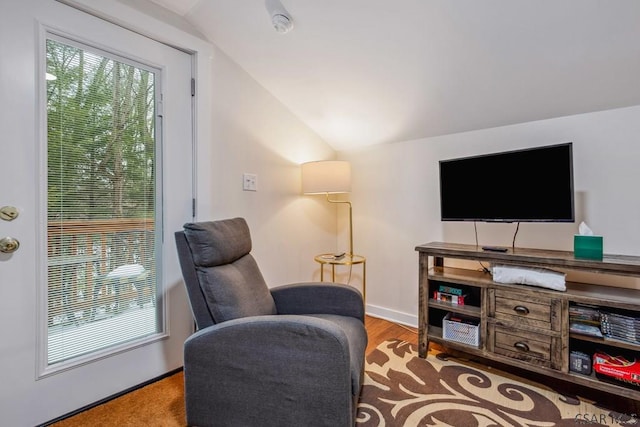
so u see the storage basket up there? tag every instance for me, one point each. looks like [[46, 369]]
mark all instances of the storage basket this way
[[461, 329]]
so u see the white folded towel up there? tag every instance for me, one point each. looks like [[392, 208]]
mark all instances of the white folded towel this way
[[541, 277]]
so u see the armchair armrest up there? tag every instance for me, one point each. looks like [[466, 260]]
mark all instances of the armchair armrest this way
[[319, 298], [289, 367]]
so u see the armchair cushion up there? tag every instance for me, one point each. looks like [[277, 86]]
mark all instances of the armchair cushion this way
[[229, 276], [215, 243], [244, 292], [319, 298]]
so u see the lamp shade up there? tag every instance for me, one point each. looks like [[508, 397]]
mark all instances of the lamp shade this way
[[326, 176]]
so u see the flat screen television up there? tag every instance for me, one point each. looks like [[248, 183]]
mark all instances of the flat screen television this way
[[530, 185]]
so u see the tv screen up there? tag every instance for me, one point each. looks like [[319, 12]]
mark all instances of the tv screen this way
[[530, 185]]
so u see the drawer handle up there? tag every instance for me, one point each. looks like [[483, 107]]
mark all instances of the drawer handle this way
[[521, 309], [521, 346]]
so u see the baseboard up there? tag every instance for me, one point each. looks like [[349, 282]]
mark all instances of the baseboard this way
[[392, 315], [108, 398]]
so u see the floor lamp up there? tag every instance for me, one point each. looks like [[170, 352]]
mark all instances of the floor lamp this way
[[329, 177], [334, 177]]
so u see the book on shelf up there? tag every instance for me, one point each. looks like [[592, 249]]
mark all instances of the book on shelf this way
[[450, 298], [585, 314], [621, 334], [618, 319], [585, 329], [620, 327], [450, 290]]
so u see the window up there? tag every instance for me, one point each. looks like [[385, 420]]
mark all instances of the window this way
[[102, 239]]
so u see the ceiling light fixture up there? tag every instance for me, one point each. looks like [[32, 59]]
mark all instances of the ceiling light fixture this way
[[280, 18]]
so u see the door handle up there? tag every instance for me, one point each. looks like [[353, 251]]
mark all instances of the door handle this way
[[9, 245]]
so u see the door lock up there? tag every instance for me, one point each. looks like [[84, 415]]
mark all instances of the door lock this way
[[8, 213], [9, 245]]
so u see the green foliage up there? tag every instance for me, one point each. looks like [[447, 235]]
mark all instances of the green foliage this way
[[100, 136]]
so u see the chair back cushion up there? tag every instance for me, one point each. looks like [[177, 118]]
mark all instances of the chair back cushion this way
[[231, 281], [215, 243]]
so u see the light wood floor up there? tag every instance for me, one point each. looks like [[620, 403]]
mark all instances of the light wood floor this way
[[380, 330]]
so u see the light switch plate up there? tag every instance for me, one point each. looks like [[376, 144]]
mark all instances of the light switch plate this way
[[249, 182]]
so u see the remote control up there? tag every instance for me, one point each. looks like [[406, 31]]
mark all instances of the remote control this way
[[494, 249], [339, 256]]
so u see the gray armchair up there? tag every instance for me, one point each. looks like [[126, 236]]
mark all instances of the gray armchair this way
[[287, 356]]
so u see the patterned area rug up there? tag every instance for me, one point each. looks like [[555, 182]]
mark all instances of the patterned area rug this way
[[400, 389]]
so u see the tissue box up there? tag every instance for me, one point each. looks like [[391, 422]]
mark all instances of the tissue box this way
[[587, 247]]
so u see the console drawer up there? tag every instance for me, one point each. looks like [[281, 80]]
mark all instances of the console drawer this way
[[522, 345], [511, 308]]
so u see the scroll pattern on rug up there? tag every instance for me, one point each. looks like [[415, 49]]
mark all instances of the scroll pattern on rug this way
[[401, 389]]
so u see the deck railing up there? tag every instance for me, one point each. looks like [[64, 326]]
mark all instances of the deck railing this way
[[81, 254]]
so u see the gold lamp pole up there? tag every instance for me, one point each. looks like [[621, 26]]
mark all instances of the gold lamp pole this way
[[350, 221], [329, 177], [333, 177]]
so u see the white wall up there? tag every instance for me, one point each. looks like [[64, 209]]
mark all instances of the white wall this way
[[254, 133], [396, 198]]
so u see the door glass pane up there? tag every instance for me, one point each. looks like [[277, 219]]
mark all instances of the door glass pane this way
[[101, 208]]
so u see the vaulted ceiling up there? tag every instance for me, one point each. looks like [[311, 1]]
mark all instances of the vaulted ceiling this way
[[362, 72]]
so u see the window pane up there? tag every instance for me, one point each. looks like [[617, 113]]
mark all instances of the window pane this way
[[101, 186]]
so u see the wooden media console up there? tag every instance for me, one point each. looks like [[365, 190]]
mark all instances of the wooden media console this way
[[525, 326]]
